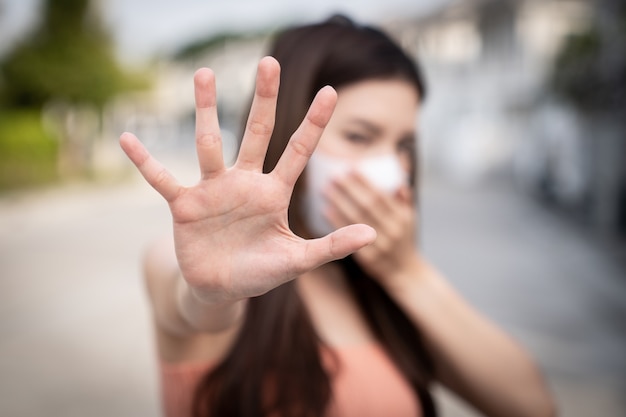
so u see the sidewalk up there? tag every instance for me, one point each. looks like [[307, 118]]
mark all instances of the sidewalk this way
[[75, 324]]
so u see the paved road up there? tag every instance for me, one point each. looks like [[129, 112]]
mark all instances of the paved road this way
[[74, 322], [553, 285]]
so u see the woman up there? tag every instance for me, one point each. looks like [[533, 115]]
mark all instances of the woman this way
[[254, 320]]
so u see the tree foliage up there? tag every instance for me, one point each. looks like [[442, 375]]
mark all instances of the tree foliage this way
[[590, 70], [68, 57]]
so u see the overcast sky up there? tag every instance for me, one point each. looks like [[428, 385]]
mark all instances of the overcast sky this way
[[144, 27]]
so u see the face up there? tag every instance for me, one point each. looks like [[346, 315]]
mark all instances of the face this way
[[371, 132], [374, 117]]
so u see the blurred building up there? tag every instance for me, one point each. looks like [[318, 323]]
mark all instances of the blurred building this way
[[492, 111], [487, 63], [164, 116]]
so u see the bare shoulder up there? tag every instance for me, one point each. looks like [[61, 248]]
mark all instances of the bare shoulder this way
[[175, 341]]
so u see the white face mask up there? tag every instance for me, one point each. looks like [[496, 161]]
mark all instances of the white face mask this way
[[384, 172]]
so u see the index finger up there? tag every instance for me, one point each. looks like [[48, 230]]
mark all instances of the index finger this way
[[305, 139]]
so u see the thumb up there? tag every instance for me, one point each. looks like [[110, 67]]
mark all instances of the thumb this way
[[337, 245]]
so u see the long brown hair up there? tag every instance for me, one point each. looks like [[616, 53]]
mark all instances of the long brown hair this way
[[274, 367]]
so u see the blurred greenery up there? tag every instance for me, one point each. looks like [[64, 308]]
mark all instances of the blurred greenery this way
[[590, 73], [590, 70], [201, 47], [28, 153], [67, 58]]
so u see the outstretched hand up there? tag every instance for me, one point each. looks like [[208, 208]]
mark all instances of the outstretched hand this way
[[231, 232]]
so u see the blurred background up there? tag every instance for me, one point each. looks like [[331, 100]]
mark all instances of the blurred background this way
[[523, 148]]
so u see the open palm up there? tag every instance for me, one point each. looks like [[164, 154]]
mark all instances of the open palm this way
[[231, 233]]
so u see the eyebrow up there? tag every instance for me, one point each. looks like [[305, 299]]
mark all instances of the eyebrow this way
[[376, 130], [371, 127]]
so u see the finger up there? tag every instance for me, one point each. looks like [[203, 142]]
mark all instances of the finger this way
[[304, 140], [208, 138], [383, 236], [155, 174], [262, 114], [343, 210], [336, 245], [353, 195], [367, 195]]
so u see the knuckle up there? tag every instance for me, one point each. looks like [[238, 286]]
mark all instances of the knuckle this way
[[161, 177], [300, 148], [259, 128], [208, 139]]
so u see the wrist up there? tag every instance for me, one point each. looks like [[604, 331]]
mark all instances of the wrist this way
[[406, 273], [416, 282], [204, 311], [420, 290]]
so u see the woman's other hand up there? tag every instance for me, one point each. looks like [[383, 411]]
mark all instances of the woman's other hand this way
[[393, 256], [231, 232]]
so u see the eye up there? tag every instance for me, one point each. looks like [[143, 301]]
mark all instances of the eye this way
[[406, 145], [358, 138]]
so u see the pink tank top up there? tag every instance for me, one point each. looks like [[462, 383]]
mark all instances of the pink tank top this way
[[367, 385]]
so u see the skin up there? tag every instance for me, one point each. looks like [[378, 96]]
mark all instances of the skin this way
[[374, 117], [231, 241]]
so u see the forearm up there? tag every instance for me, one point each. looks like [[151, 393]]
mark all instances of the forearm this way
[[473, 357]]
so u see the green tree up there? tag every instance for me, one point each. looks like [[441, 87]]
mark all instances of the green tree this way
[[590, 70], [69, 57], [590, 74]]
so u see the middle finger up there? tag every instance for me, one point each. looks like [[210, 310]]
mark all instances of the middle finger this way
[[208, 139], [262, 114]]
